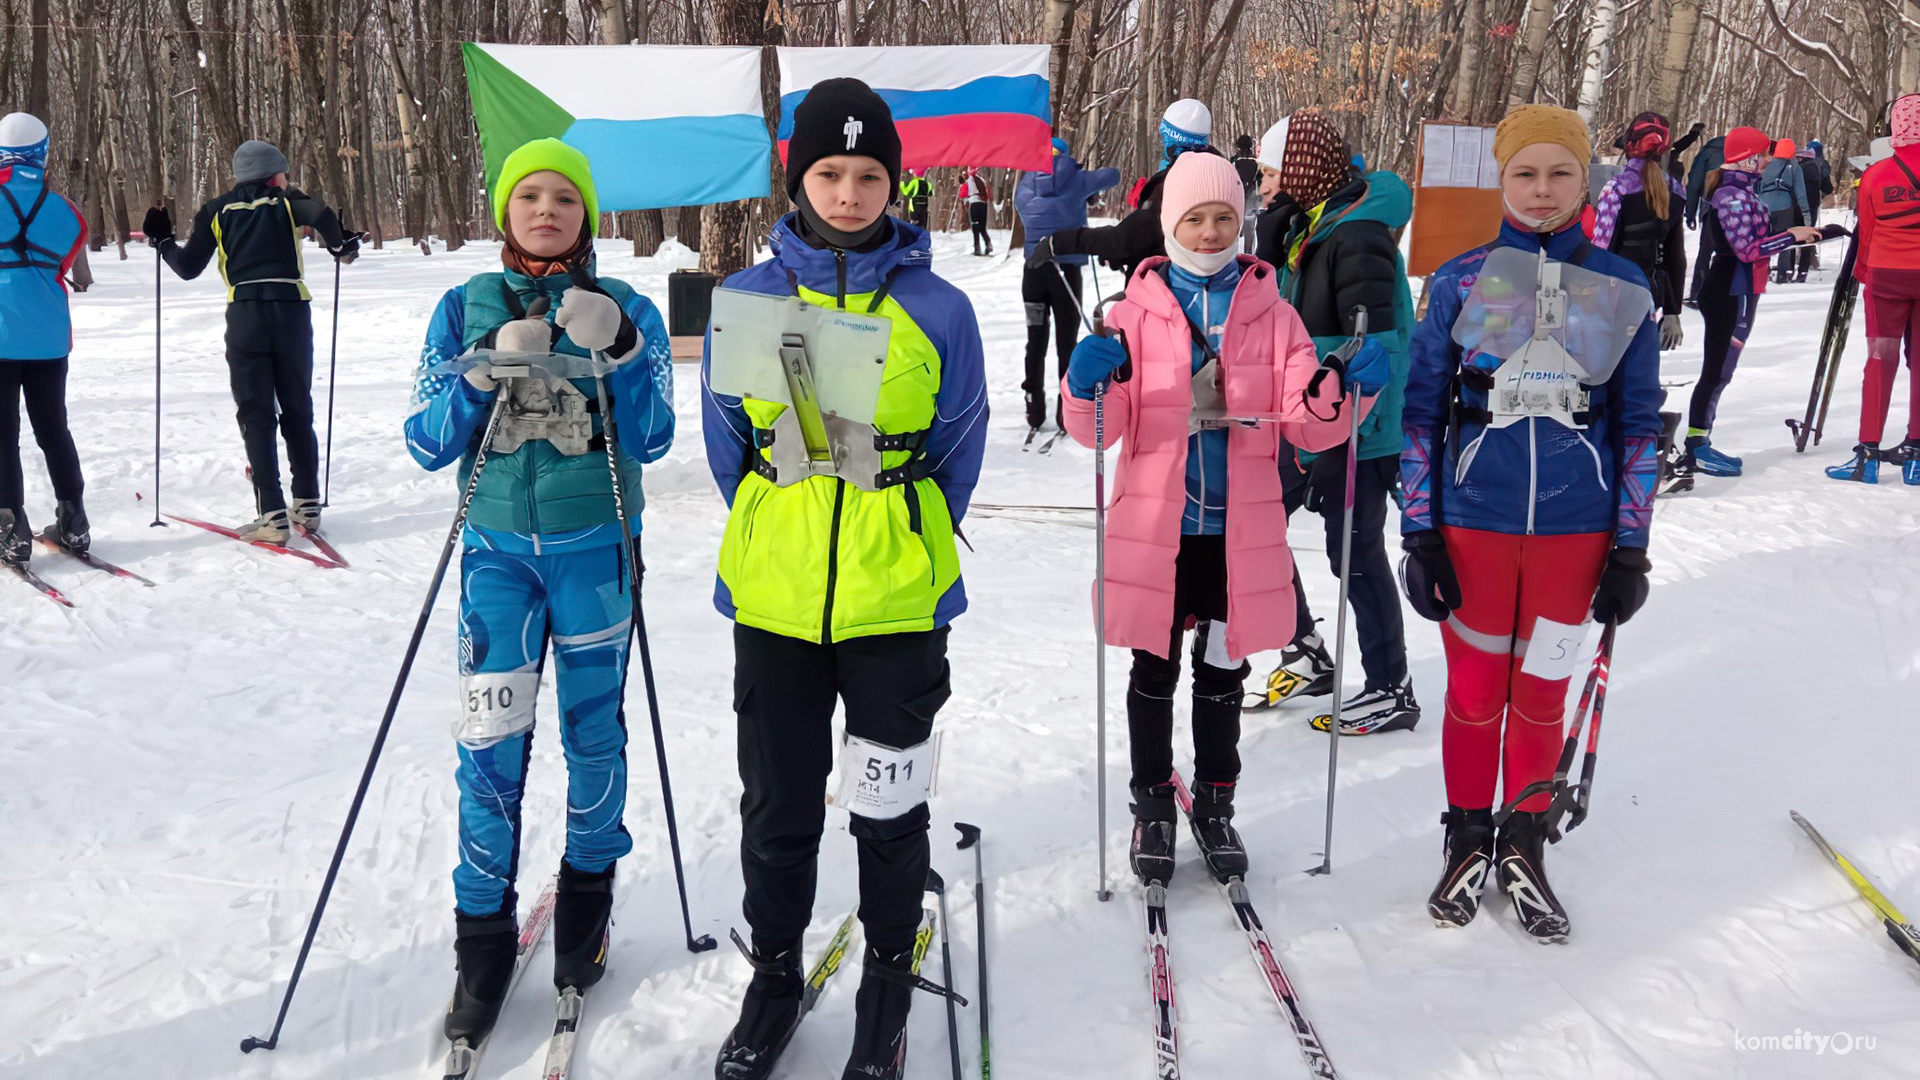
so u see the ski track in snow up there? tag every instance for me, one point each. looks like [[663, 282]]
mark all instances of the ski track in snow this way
[[176, 764]]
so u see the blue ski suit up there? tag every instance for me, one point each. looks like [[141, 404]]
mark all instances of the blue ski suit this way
[[541, 561]]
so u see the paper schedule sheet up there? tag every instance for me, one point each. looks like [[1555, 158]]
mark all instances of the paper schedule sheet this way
[[1458, 156]]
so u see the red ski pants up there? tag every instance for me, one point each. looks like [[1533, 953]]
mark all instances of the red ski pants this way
[[1506, 583], [1893, 316]]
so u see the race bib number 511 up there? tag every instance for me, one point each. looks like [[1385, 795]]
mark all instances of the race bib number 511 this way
[[882, 783]]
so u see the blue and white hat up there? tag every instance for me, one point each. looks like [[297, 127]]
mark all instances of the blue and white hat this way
[[1186, 125], [23, 138]]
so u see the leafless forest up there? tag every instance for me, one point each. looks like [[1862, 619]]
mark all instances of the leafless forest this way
[[147, 98]]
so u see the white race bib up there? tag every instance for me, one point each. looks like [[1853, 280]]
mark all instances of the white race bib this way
[[494, 705], [881, 783], [1553, 650]]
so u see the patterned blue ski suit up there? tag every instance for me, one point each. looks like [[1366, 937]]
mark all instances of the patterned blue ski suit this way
[[541, 562]]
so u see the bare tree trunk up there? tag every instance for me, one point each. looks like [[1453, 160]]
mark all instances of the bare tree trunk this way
[[1056, 28], [1909, 38], [37, 71], [1473, 34], [1533, 42], [726, 238], [1682, 27], [411, 132], [1599, 51]]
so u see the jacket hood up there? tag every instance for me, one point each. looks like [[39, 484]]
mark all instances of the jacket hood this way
[[1149, 289], [1386, 199], [817, 269], [1065, 170]]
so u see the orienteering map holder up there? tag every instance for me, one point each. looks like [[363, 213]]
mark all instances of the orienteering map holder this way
[[1210, 411], [823, 364]]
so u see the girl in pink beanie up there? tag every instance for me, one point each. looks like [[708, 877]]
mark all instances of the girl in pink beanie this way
[[1197, 531]]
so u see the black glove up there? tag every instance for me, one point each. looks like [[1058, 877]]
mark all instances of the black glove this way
[[1623, 585], [348, 250], [158, 225], [1427, 574], [1327, 479], [1693, 222], [1832, 231], [1042, 253]]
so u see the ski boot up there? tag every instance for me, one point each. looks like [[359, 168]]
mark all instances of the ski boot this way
[[16, 547], [1714, 463], [1676, 471], [1389, 708], [271, 527], [1521, 855], [1213, 831], [1863, 467], [1908, 454], [769, 1014], [582, 912], [485, 947], [305, 514], [1153, 818], [1305, 671], [880, 1017], [70, 528], [1468, 861]]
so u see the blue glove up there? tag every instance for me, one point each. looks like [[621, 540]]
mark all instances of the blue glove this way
[[1368, 372], [1094, 361]]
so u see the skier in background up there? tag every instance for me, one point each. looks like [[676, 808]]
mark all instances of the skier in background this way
[[1638, 218], [1184, 127], [1782, 188], [1737, 238], [1048, 203], [1887, 264], [841, 591], [1524, 512], [1198, 532], [914, 193], [542, 561], [255, 229], [1819, 182], [979, 199], [1704, 164], [1248, 167], [1330, 231], [36, 335]]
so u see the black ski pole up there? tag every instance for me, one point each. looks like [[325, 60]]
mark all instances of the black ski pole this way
[[252, 1042], [333, 355], [939, 887], [157, 523], [970, 838], [635, 572]]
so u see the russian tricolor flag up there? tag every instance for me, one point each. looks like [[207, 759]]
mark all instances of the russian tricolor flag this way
[[984, 105], [662, 125]]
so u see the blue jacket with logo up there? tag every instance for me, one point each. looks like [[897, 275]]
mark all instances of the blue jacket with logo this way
[[34, 258], [1536, 475], [1049, 202]]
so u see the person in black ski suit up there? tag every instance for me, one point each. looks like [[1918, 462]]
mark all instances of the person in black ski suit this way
[[1704, 164], [1635, 217], [255, 228], [1137, 237], [1819, 176]]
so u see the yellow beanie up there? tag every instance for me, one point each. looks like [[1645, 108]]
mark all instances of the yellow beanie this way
[[541, 155], [1530, 124]]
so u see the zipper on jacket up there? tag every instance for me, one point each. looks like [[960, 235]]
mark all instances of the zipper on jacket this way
[[840, 274], [1533, 472], [833, 561], [533, 504]]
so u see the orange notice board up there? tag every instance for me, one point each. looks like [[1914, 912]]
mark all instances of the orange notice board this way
[[1456, 194]]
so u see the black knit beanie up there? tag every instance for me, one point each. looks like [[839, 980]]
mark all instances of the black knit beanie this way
[[841, 116]]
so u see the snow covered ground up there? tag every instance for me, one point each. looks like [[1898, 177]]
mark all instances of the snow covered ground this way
[[176, 763]]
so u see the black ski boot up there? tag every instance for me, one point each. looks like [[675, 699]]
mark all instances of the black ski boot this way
[[880, 1018], [1154, 815], [1374, 710], [1036, 410], [582, 911], [768, 1015], [70, 529], [1468, 861], [1523, 872], [16, 547], [1213, 830], [485, 946]]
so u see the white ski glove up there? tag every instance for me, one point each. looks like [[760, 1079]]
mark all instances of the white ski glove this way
[[1670, 335], [477, 377], [596, 322]]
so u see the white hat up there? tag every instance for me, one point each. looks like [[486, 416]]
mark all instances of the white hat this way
[[1273, 145], [23, 138], [1186, 123]]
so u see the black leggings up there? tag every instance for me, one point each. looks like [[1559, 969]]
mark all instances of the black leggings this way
[[1199, 594], [270, 367], [1729, 320], [44, 384], [977, 215], [1044, 289]]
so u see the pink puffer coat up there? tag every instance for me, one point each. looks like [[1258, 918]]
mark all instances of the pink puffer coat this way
[[1267, 360]]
